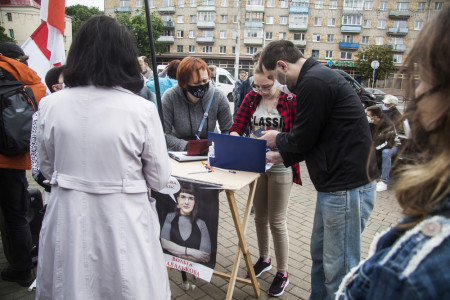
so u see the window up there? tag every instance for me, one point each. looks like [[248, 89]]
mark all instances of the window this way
[[283, 3], [367, 23], [438, 5], [328, 54], [402, 5], [398, 41], [319, 4], [224, 3], [180, 19], [298, 19], [282, 35], [269, 19], [193, 3], [151, 3], [236, 3], [235, 19], [179, 33], [353, 4], [347, 38], [269, 35], [11, 33], [193, 18], [254, 16], [223, 50], [383, 5], [180, 48], [207, 33], [126, 3], [223, 34], [400, 24], [270, 3], [369, 5], [299, 36], [251, 33], [330, 38], [381, 24], [191, 49], [206, 49], [317, 21], [379, 40], [421, 6], [223, 19], [315, 53], [180, 3], [316, 37], [397, 58], [167, 33], [331, 21], [365, 40], [333, 4], [192, 34], [165, 3], [208, 2], [9, 16], [206, 16], [235, 35], [351, 20], [283, 20], [346, 55], [252, 50], [418, 25], [233, 50]]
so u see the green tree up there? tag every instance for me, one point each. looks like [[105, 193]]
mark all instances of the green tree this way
[[81, 13], [4, 37], [375, 52], [138, 27]]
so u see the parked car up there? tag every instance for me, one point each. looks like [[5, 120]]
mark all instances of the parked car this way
[[379, 94], [367, 98], [225, 82]]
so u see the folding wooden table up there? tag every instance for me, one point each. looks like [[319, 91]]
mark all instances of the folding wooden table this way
[[230, 182]]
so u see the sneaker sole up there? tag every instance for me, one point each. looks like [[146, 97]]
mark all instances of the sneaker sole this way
[[263, 270], [281, 293]]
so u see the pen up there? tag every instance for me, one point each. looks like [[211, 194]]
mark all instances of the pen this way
[[267, 150], [231, 171], [208, 171]]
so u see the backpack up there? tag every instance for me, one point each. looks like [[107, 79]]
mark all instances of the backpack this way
[[17, 106]]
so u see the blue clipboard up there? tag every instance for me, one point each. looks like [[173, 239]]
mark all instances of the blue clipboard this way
[[237, 153]]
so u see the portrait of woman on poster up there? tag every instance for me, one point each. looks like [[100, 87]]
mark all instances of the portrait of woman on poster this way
[[183, 234]]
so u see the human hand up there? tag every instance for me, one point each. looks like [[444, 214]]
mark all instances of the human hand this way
[[273, 157], [200, 256], [271, 137], [234, 133]]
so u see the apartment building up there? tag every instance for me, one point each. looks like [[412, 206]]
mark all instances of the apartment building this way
[[330, 30], [21, 18]]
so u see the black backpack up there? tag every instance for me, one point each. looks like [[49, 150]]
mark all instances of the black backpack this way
[[17, 106]]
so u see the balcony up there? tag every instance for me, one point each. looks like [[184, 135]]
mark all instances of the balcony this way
[[206, 8], [254, 24], [121, 9], [168, 24], [349, 46], [206, 24], [166, 10], [254, 41], [298, 27], [166, 39], [398, 47], [255, 8], [399, 14], [351, 28], [397, 31], [205, 40], [298, 10], [299, 43]]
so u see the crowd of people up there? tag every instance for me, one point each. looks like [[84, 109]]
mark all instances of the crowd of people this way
[[101, 238]]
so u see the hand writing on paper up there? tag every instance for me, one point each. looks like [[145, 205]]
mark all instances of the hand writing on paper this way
[[271, 137], [273, 157]]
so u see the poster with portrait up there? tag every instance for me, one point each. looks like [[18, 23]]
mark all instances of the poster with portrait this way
[[188, 214]]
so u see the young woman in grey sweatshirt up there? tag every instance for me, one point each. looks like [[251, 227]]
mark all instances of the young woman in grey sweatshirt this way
[[185, 104]]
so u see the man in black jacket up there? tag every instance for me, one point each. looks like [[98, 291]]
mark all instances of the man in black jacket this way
[[332, 135]]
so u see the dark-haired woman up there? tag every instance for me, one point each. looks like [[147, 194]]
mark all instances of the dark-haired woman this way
[[101, 147], [412, 260], [183, 234], [185, 104]]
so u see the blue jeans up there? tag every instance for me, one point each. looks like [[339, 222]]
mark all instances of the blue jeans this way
[[386, 163], [339, 221]]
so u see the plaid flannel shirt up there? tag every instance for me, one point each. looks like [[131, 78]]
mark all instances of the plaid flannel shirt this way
[[285, 107]]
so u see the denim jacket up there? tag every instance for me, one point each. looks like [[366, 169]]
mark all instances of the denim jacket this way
[[406, 265]]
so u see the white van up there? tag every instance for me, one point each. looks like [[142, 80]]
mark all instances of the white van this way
[[225, 82]]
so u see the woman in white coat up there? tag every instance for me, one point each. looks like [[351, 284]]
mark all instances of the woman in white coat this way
[[101, 147]]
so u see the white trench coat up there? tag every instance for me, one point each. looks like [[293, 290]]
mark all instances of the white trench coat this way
[[101, 148]]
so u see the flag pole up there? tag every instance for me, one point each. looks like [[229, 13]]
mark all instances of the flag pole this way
[[153, 57]]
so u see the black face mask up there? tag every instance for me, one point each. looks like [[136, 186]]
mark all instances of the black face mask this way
[[198, 91]]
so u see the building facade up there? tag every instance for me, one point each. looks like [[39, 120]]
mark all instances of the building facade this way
[[330, 30]]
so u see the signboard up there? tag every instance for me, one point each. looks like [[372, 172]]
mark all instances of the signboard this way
[[375, 64]]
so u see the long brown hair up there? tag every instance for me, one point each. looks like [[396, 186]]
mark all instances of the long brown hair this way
[[423, 185]]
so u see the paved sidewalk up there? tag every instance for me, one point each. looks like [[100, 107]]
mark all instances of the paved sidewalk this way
[[300, 216]]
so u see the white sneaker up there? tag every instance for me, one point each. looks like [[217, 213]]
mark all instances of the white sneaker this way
[[381, 186]]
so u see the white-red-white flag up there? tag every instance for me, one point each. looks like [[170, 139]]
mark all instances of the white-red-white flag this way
[[45, 47]]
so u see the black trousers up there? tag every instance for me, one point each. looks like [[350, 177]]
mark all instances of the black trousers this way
[[14, 204]]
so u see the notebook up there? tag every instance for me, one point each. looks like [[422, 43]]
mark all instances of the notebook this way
[[182, 156], [237, 153]]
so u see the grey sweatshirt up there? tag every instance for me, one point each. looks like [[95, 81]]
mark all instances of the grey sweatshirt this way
[[182, 118]]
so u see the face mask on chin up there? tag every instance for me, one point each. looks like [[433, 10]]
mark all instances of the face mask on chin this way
[[282, 87], [198, 91]]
